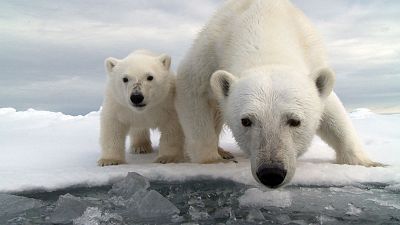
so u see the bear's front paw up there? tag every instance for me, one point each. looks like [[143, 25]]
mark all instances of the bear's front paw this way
[[370, 163], [142, 149], [110, 162], [361, 161], [168, 159]]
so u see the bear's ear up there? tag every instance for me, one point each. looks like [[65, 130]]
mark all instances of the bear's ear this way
[[324, 79], [111, 63], [165, 60], [221, 83]]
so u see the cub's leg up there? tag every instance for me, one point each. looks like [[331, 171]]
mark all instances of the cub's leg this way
[[112, 140]]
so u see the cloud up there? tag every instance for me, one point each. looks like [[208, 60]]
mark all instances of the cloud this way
[[59, 46], [362, 42]]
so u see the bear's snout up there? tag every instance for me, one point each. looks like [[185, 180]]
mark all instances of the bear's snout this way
[[137, 98], [271, 176]]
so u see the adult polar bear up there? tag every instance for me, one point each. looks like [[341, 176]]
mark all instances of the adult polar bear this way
[[275, 97]]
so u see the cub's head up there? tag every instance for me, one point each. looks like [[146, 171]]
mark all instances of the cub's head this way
[[273, 115], [141, 80]]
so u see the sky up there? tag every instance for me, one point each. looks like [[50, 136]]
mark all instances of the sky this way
[[52, 52]]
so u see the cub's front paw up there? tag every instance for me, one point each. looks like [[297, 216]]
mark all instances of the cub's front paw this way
[[142, 149], [168, 159], [110, 162]]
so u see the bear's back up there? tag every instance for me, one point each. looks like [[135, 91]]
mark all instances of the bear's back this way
[[252, 33]]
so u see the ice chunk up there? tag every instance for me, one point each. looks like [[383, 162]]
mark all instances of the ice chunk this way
[[177, 218], [329, 207], [197, 201], [132, 183], [350, 189], [394, 188], [256, 198], [94, 216], [156, 205], [353, 210], [297, 222], [150, 205], [255, 215], [12, 205], [387, 203], [136, 199], [198, 214], [68, 207], [323, 219], [222, 213], [283, 219]]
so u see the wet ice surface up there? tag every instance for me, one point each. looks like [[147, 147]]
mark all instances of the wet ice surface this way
[[203, 201]]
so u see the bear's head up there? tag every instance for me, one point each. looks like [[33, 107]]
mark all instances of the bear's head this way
[[273, 114], [141, 80]]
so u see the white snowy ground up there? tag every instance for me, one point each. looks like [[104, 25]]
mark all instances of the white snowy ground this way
[[44, 151]]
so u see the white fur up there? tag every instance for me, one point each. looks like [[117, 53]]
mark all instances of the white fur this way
[[277, 71], [120, 118]]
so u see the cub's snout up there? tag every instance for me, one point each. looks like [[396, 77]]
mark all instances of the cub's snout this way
[[137, 99]]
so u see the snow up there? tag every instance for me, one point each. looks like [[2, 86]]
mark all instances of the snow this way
[[46, 151]]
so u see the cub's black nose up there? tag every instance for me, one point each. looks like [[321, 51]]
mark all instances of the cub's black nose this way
[[137, 98], [270, 176]]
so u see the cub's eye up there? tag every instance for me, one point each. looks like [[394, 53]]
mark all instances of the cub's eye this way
[[246, 122], [125, 80], [294, 123], [150, 78]]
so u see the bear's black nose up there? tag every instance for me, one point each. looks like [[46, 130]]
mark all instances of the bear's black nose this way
[[271, 176], [137, 98]]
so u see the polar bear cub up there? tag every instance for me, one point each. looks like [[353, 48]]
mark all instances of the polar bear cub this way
[[139, 96]]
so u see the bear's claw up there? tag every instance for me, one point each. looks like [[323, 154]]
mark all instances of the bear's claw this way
[[360, 162], [225, 154], [142, 149], [110, 162], [168, 159]]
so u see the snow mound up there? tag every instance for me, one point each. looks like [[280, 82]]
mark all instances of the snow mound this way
[[361, 113]]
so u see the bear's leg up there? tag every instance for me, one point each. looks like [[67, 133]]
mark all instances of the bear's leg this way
[[337, 131], [195, 115], [171, 143], [112, 139], [140, 141], [219, 123]]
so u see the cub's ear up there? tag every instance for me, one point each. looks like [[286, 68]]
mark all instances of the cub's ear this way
[[111, 63], [324, 79], [221, 83], [165, 60]]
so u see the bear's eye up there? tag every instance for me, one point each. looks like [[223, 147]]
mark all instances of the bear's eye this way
[[294, 123], [150, 78], [246, 122], [125, 80]]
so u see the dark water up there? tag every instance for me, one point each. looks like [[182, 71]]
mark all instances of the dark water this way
[[217, 201]]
